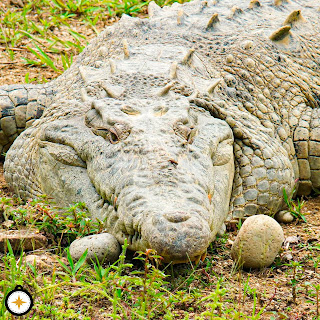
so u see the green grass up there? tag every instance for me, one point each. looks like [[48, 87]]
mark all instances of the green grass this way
[[36, 27], [137, 288], [295, 207]]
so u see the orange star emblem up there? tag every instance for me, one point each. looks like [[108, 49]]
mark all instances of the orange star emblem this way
[[19, 302]]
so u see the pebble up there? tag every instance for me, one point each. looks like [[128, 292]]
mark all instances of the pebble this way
[[25, 239], [104, 245], [284, 216], [258, 242]]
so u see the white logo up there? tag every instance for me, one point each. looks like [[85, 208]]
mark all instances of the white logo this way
[[18, 301]]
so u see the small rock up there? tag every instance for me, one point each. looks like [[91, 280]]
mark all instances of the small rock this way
[[284, 216], [258, 242], [290, 241], [25, 239], [41, 261], [104, 245], [7, 224], [288, 256], [17, 3]]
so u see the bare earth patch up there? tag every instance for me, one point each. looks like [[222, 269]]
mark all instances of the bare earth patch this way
[[275, 289]]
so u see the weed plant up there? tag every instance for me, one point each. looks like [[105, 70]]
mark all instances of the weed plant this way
[[36, 21], [139, 288]]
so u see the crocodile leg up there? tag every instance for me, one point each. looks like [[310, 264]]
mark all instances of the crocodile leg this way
[[261, 174], [20, 105]]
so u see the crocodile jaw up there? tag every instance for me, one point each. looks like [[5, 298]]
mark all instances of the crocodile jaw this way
[[153, 188], [175, 240]]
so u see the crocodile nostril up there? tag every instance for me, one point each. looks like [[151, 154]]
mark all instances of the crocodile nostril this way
[[176, 217]]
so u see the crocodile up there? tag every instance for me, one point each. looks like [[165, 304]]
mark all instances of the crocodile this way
[[172, 126]]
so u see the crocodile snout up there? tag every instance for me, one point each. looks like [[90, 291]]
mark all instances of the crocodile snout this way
[[178, 236]]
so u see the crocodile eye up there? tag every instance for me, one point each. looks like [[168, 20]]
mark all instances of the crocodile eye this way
[[184, 131], [119, 131]]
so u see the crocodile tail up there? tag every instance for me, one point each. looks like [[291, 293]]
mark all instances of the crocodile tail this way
[[20, 106]]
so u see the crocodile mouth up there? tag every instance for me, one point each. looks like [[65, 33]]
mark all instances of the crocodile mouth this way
[[178, 237], [132, 239]]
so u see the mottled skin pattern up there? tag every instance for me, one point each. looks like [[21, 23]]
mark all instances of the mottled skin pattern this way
[[141, 127]]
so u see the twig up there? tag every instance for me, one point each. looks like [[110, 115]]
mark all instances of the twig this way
[[13, 49]]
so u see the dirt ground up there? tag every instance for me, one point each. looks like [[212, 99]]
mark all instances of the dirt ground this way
[[272, 286]]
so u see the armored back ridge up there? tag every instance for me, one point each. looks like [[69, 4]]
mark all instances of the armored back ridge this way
[[170, 126]]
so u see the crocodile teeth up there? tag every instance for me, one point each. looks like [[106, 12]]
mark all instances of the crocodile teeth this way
[[194, 95], [180, 17], [279, 2], [84, 95], [235, 11], [112, 91], [254, 4]]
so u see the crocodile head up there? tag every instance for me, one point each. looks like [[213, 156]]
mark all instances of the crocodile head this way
[[158, 171]]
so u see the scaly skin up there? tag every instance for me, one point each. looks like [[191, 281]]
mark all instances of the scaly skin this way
[[141, 127]]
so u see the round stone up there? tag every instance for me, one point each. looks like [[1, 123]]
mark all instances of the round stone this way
[[258, 242], [284, 216], [104, 246]]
